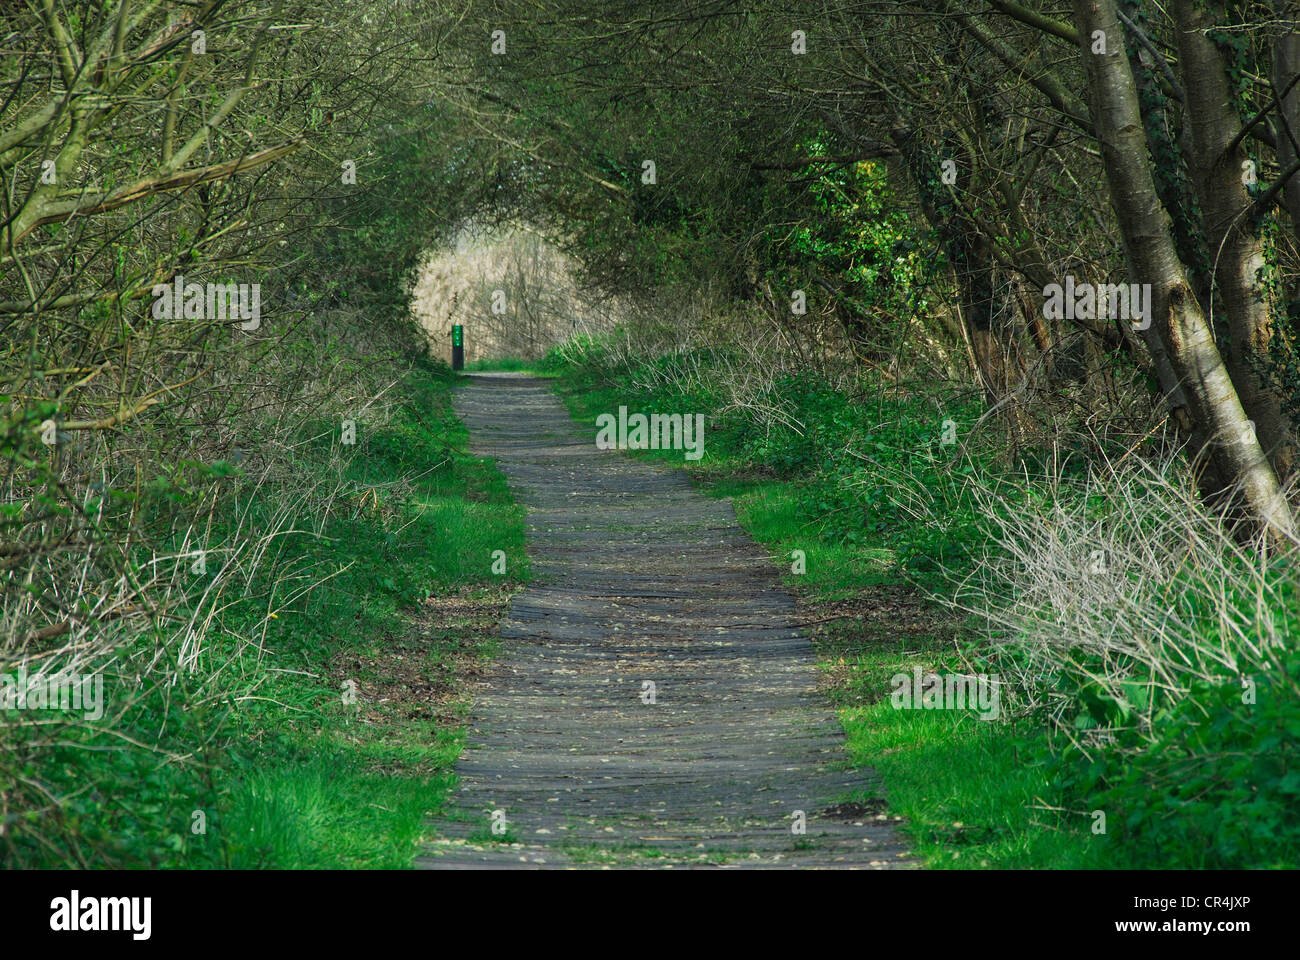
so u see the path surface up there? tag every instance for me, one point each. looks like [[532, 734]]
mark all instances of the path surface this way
[[638, 577]]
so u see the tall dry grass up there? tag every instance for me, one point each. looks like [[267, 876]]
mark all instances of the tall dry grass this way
[[1120, 585], [543, 303]]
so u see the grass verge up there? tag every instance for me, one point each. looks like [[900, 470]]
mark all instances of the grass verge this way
[[316, 717], [387, 651]]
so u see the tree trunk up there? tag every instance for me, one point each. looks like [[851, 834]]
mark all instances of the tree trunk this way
[[1233, 240], [1219, 428], [976, 283], [969, 255]]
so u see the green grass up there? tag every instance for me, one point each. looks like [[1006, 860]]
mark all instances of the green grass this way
[[507, 365], [331, 812]]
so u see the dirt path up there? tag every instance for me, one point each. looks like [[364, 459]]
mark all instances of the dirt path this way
[[638, 577]]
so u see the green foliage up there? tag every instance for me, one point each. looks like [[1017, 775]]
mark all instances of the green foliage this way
[[1214, 785], [285, 775], [854, 232]]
